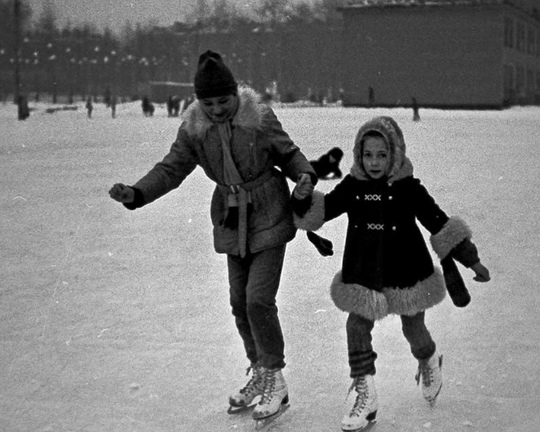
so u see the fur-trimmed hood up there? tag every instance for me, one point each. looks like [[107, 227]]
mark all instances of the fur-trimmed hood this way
[[249, 114], [400, 165]]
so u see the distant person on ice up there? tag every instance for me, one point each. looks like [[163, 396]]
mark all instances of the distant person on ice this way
[[147, 107], [327, 166], [240, 144], [113, 105], [89, 107], [23, 111], [416, 110], [387, 267]]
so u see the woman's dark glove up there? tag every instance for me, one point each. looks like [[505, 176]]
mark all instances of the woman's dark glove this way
[[324, 246], [454, 283]]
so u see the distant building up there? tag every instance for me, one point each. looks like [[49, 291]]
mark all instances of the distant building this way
[[444, 53]]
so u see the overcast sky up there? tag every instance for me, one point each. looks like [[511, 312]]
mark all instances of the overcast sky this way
[[115, 13]]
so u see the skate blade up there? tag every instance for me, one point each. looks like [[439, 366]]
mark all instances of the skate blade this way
[[263, 422], [369, 427], [240, 409]]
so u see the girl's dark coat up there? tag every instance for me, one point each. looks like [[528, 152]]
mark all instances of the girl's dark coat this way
[[258, 145], [387, 267]]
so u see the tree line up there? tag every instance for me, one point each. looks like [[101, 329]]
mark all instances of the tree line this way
[[293, 47]]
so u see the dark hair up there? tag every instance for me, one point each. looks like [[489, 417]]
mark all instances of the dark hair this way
[[372, 134]]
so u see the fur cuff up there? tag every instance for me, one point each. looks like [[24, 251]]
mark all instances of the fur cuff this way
[[451, 234], [358, 299], [314, 217], [423, 295]]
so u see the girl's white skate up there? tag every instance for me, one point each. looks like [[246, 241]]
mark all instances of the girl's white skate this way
[[430, 372], [274, 400], [362, 404]]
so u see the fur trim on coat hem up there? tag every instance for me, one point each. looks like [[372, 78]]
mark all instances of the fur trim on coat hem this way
[[358, 299], [451, 234], [314, 218], [374, 305], [423, 295]]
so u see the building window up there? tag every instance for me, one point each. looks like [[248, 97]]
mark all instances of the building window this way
[[537, 81], [508, 32], [531, 41], [538, 44], [530, 82], [509, 89], [520, 39], [520, 80]]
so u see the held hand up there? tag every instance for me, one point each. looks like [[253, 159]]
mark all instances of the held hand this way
[[303, 187], [122, 193], [482, 273]]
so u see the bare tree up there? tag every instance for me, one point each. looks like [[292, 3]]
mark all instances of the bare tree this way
[[273, 11], [7, 19], [46, 24], [223, 14], [200, 13], [303, 12], [328, 10]]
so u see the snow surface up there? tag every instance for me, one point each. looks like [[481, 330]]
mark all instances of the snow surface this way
[[112, 320]]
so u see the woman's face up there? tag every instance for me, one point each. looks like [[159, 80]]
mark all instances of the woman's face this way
[[375, 157], [220, 108]]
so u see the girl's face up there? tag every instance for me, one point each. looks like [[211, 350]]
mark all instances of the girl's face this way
[[220, 108], [375, 157]]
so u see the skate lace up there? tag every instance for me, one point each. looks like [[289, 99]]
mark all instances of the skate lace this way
[[269, 385], [425, 372], [360, 385], [252, 383]]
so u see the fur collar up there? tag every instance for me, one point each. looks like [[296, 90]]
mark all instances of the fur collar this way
[[249, 115]]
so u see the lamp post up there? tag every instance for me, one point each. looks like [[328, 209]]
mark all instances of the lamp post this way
[[52, 70], [17, 68], [2, 91]]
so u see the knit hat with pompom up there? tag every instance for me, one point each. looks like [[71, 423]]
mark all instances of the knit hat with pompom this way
[[213, 78]]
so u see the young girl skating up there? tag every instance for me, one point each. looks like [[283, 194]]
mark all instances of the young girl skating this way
[[387, 267]]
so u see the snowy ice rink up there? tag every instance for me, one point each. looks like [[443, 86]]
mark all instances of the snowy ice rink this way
[[112, 320]]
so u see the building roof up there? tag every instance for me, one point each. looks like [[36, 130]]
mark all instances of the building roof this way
[[531, 7], [170, 84], [353, 4]]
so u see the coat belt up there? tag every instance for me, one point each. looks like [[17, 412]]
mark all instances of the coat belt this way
[[243, 194]]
